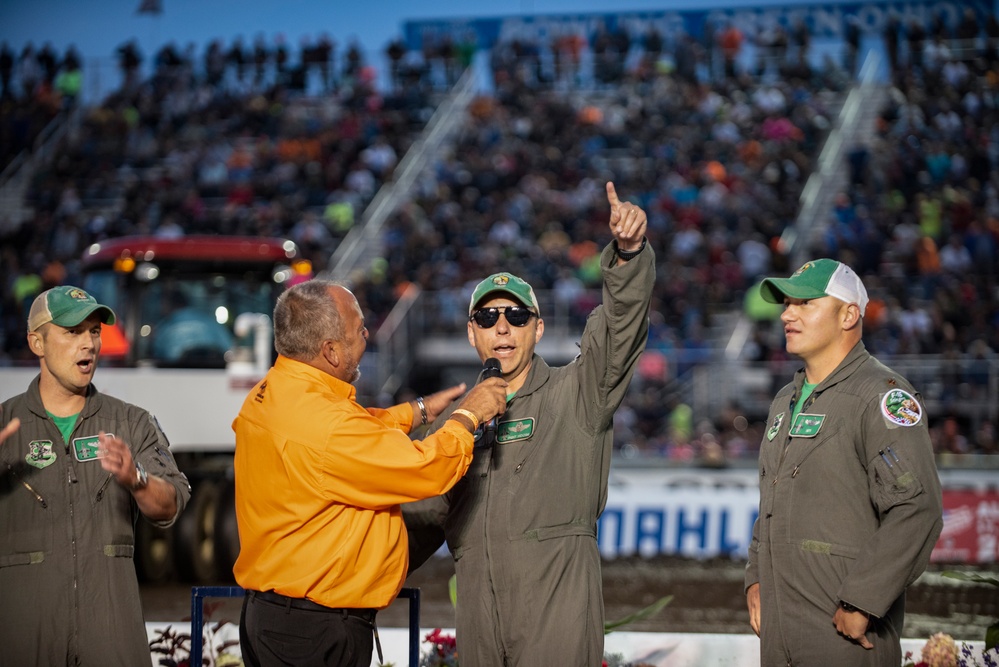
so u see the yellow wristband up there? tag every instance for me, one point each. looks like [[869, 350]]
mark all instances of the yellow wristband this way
[[471, 417]]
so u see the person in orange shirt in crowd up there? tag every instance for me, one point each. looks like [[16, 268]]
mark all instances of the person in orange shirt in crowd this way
[[319, 481], [928, 264], [730, 42]]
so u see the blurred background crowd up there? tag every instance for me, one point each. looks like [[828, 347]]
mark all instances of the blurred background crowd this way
[[715, 135]]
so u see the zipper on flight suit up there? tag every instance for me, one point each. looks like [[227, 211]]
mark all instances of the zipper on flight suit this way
[[104, 486], [787, 444], [71, 477], [37, 495]]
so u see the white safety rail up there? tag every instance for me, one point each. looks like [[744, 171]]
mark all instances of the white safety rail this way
[[660, 649]]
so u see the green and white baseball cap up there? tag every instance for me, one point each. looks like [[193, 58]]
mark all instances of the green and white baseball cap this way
[[816, 279], [508, 284], [65, 306]]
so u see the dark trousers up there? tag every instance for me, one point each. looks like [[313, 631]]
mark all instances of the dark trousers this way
[[275, 631]]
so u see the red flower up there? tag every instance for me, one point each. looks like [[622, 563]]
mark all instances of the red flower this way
[[441, 641]]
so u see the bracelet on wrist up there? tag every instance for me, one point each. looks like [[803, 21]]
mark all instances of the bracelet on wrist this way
[[630, 254], [469, 415], [423, 409]]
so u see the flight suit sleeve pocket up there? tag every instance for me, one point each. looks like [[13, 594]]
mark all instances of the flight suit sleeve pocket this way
[[29, 558], [564, 530], [893, 482], [119, 550], [829, 548]]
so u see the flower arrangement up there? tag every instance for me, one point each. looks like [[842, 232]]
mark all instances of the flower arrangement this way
[[443, 650], [941, 650], [175, 647]]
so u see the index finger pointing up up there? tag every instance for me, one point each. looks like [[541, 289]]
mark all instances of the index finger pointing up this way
[[612, 194]]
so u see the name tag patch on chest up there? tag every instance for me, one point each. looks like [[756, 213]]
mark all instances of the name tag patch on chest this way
[[515, 429], [41, 454], [806, 426], [85, 448]]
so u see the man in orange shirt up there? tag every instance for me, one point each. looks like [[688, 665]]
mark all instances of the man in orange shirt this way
[[319, 480]]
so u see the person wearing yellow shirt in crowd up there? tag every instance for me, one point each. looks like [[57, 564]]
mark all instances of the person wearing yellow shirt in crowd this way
[[319, 481]]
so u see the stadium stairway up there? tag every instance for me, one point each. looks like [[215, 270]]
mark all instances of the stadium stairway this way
[[855, 126], [16, 177], [363, 244]]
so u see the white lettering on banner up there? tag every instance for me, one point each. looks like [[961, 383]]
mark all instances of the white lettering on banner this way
[[825, 20], [701, 513], [668, 25], [646, 520], [988, 532]]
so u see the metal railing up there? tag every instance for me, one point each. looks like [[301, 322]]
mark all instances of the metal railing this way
[[365, 239], [964, 386], [392, 341], [15, 177], [829, 175]]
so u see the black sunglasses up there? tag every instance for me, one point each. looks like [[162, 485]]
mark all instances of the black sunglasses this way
[[487, 318]]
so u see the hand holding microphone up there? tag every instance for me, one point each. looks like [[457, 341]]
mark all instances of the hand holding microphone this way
[[487, 399], [490, 369]]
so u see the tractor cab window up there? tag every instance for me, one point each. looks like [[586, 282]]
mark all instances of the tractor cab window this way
[[186, 323], [183, 321]]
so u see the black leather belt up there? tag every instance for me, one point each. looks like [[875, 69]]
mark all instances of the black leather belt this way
[[308, 605]]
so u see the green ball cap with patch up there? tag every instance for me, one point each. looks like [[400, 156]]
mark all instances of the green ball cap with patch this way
[[506, 283], [816, 279], [65, 306]]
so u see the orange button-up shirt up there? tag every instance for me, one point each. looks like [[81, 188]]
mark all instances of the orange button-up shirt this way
[[319, 480]]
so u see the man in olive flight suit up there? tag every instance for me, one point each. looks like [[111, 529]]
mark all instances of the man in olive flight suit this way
[[850, 501], [521, 524]]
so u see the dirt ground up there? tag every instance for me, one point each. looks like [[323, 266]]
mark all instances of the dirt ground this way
[[708, 598]]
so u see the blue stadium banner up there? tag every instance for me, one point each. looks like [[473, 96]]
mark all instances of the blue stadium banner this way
[[824, 20]]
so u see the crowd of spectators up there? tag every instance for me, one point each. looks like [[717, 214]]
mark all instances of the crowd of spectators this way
[[716, 152], [35, 85], [920, 220], [179, 152]]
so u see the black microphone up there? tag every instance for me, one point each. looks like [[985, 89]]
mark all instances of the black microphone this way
[[490, 369]]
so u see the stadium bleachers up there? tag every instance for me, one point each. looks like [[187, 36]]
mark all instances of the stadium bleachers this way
[[717, 153]]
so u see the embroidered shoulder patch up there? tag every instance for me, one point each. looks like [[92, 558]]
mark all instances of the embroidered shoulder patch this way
[[775, 427], [515, 429], [40, 454], [900, 407]]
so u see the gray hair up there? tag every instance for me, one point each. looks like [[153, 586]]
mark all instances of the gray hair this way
[[305, 316]]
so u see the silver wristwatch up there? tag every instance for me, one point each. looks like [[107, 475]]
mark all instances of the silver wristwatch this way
[[141, 477]]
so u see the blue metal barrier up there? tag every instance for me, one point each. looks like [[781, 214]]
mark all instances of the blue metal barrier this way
[[414, 624], [199, 593]]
